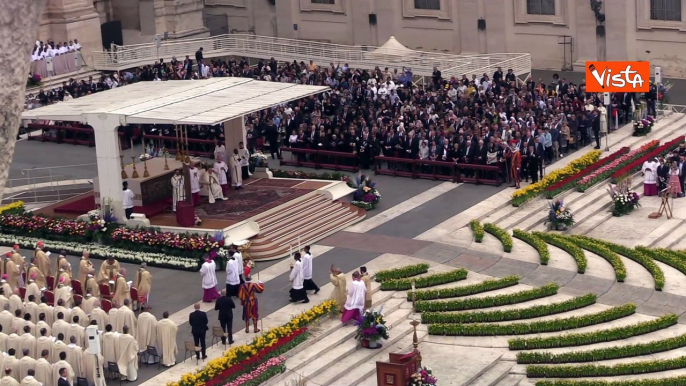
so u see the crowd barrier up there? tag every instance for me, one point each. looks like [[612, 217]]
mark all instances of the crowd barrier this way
[[58, 134], [438, 170], [170, 145], [320, 159]]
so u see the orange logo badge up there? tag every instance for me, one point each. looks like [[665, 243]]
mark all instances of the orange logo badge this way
[[617, 76]]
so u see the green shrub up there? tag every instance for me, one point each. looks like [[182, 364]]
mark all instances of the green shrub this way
[[533, 327], [674, 259], [673, 381], [425, 281], [643, 367], [485, 302], [401, 272], [505, 315], [603, 354], [560, 242], [454, 292], [601, 250], [535, 242], [585, 338], [501, 234], [478, 230]]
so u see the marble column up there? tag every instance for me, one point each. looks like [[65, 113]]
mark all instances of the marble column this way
[[109, 164], [234, 133], [65, 20]]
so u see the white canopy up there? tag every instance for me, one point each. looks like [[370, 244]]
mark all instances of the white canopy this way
[[199, 102], [391, 48]]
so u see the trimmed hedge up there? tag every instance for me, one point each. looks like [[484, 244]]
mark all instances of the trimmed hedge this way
[[670, 257], [637, 256], [673, 381], [485, 302], [536, 242], [501, 234], [425, 281], [562, 243], [401, 272], [604, 252], [453, 292], [506, 315], [592, 337], [643, 367], [478, 230], [603, 354], [533, 327]]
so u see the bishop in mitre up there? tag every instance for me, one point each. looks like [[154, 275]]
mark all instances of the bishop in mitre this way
[[127, 359], [235, 169], [122, 290], [108, 270], [178, 188], [166, 338], [143, 283], [147, 333], [85, 267], [220, 171], [42, 259], [214, 189], [36, 275]]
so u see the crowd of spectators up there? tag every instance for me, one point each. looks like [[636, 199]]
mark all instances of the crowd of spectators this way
[[51, 49]]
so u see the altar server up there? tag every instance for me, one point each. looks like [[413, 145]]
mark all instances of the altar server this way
[[209, 281], [233, 281], [108, 270], [354, 304], [127, 199], [219, 151], [220, 171], [143, 283], [127, 357], [649, 171], [195, 183], [296, 277], [308, 283], [178, 188], [214, 188], [166, 338], [146, 333], [235, 168], [244, 154]]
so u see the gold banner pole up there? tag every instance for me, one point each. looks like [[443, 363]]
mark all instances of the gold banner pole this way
[[178, 147], [188, 158]]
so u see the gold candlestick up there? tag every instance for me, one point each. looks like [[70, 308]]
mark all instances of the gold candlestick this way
[[415, 342], [188, 158], [178, 147], [135, 172], [145, 169], [123, 170], [166, 165]]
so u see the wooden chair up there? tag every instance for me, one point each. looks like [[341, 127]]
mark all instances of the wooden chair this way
[[190, 348], [135, 303], [217, 334], [76, 286], [106, 305], [78, 298], [22, 293], [23, 275], [49, 297], [50, 281], [105, 291]]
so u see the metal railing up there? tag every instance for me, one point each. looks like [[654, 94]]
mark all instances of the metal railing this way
[[47, 184], [673, 108], [366, 57]]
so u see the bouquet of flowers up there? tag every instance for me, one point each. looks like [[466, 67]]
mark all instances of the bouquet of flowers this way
[[366, 195], [145, 157], [99, 222], [559, 216], [371, 327], [197, 221], [663, 93], [624, 200], [643, 126], [423, 377], [34, 80], [259, 159]]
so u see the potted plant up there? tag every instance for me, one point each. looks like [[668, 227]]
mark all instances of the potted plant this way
[[258, 165], [559, 216], [423, 377], [643, 126], [624, 200], [371, 328], [366, 196]]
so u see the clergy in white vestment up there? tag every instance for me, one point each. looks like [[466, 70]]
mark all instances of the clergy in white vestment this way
[[178, 188], [11, 362], [35, 275], [110, 348], [233, 281], [16, 303], [48, 310], [99, 315], [62, 364], [195, 183], [26, 363], [308, 283], [122, 289], [41, 325], [113, 316], [58, 347], [143, 283], [75, 357], [6, 318], [77, 332], [85, 266], [44, 369], [17, 323], [30, 379], [214, 189], [9, 379], [128, 355], [79, 316], [354, 305], [3, 343], [44, 343], [166, 338], [27, 342], [31, 309], [60, 326], [239, 258], [220, 152], [32, 289], [61, 309], [235, 169], [244, 155], [126, 317], [209, 280], [13, 341], [220, 171], [63, 296], [147, 333], [296, 277], [6, 290], [88, 304], [649, 171], [91, 362], [4, 301]]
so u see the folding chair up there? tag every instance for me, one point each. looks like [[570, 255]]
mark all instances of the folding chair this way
[[113, 371], [190, 348], [49, 297], [81, 381], [151, 351], [217, 334], [106, 305]]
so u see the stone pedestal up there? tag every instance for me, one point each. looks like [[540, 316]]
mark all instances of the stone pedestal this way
[[234, 133], [65, 20]]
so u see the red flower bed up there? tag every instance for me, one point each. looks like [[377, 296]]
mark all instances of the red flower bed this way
[[638, 163], [152, 238], [567, 183], [254, 360], [39, 226]]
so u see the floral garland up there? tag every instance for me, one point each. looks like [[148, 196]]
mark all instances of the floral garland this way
[[39, 225], [154, 238], [423, 377], [605, 171], [262, 373], [335, 176]]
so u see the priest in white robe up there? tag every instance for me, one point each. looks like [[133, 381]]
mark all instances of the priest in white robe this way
[[77, 332], [178, 188], [195, 183], [6, 318], [44, 369], [233, 281], [75, 357], [11, 362], [62, 364], [147, 333], [99, 315], [58, 347], [60, 326], [209, 281], [220, 151], [122, 289], [16, 302], [88, 304], [41, 325], [26, 363], [128, 355], [9, 379], [126, 317], [166, 339], [649, 171], [110, 347], [47, 310], [221, 170], [13, 344], [30, 380], [235, 169], [31, 309], [91, 362], [32, 289], [44, 343], [214, 188], [79, 316], [354, 305], [27, 342], [297, 292]]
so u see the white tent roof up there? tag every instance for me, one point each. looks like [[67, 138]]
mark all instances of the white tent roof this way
[[391, 48], [201, 102]]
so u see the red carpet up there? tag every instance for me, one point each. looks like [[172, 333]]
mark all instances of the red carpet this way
[[245, 203], [87, 203]]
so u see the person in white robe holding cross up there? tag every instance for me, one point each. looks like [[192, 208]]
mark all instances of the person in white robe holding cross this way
[[220, 171], [235, 168], [195, 183], [178, 189]]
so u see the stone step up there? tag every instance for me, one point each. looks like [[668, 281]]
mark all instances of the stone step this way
[[671, 238], [369, 381], [521, 250], [493, 375], [625, 378], [490, 244], [560, 259], [510, 380], [675, 281], [306, 208], [667, 230]]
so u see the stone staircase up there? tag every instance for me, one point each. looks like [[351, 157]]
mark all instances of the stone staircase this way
[[306, 219], [56, 81]]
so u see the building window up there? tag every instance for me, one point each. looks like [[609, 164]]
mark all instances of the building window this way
[[331, 2], [540, 7], [668, 10], [428, 4]]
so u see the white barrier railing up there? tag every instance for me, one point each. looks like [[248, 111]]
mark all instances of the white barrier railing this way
[[421, 63]]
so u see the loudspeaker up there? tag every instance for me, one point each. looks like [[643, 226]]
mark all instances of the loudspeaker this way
[[481, 24], [600, 30], [111, 33], [372, 18]]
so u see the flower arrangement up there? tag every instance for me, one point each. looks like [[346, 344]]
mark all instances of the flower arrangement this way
[[39, 226], [100, 224], [609, 168], [643, 127], [624, 200], [523, 195], [663, 93], [172, 243], [34, 80], [423, 377], [299, 174], [571, 181], [366, 196], [635, 165], [197, 221], [145, 157], [559, 216], [16, 207], [259, 159], [262, 373], [371, 328]]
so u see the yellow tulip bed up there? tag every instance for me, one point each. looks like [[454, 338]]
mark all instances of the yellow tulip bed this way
[[242, 359], [531, 191], [16, 207]]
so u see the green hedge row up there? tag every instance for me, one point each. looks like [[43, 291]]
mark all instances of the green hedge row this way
[[562, 243], [568, 371], [533, 327], [501, 234], [506, 315], [637, 256], [536, 243], [601, 250], [603, 354], [489, 301], [401, 272], [674, 381], [454, 292], [478, 230], [593, 337], [425, 281], [674, 259]]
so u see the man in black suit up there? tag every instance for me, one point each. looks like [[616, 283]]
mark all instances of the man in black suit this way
[[198, 55], [225, 307], [596, 128], [198, 321], [539, 155], [62, 381], [662, 175]]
